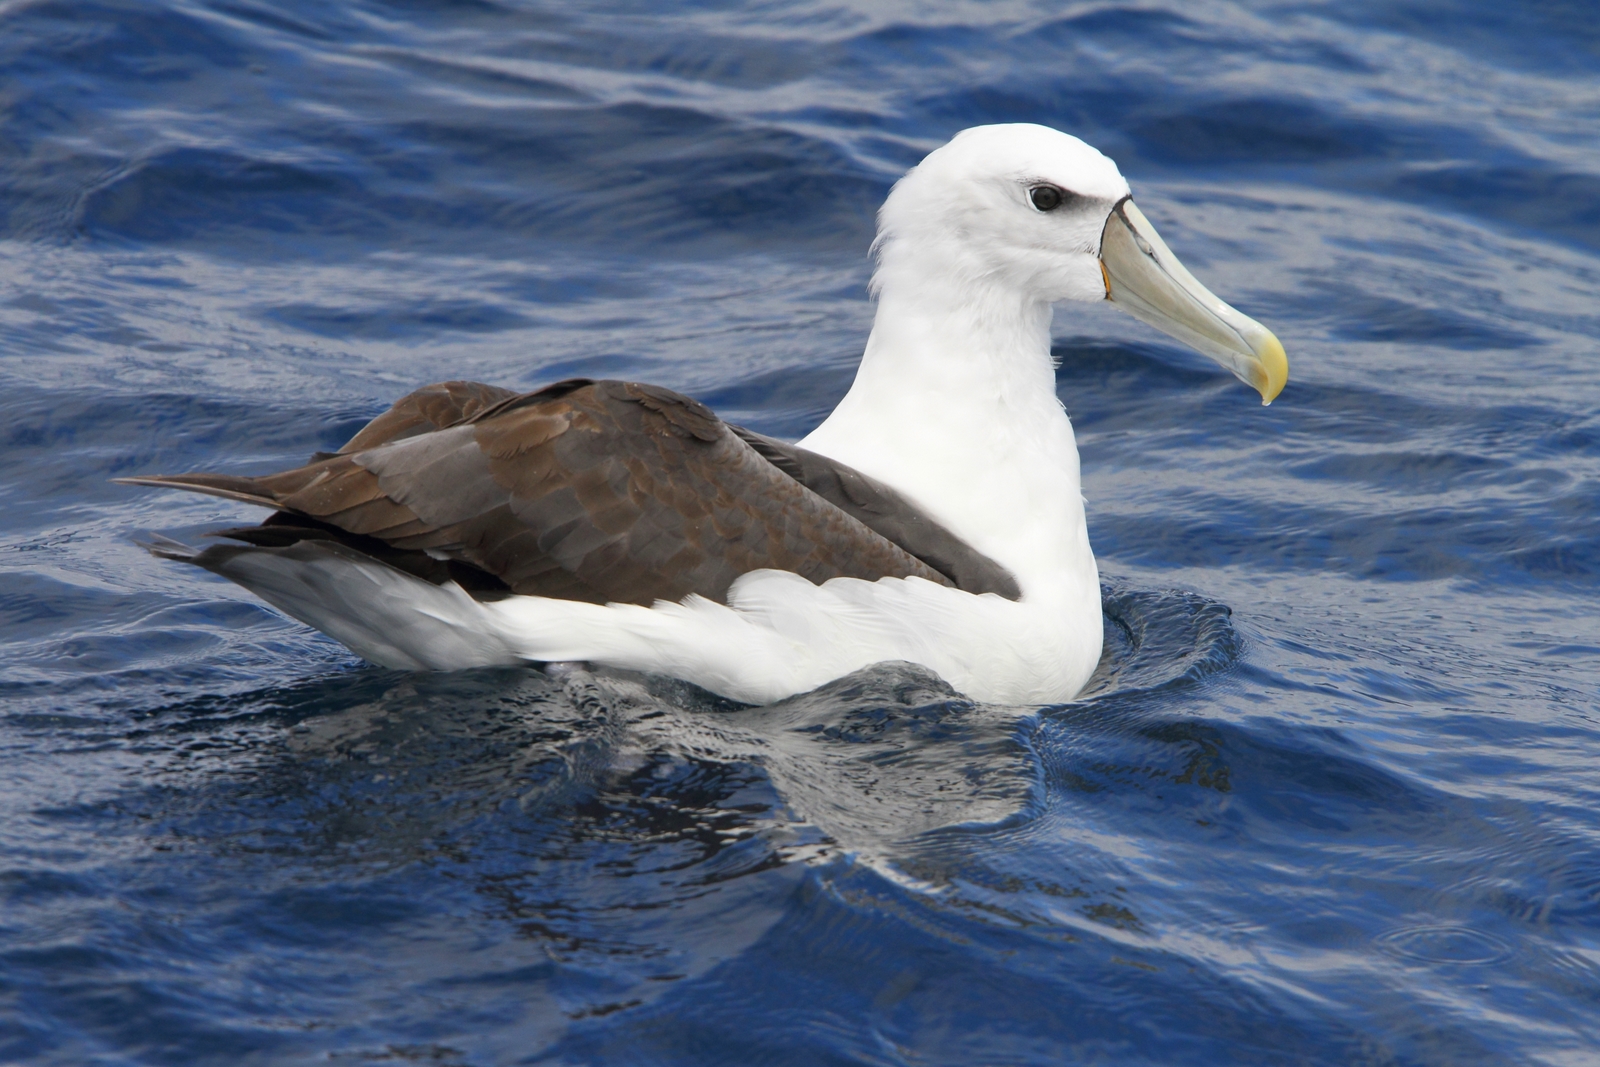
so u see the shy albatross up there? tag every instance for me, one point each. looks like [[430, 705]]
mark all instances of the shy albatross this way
[[935, 516]]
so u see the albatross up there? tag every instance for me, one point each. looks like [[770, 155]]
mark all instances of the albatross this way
[[936, 516]]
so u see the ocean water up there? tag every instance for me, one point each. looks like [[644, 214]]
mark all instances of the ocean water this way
[[1333, 799]]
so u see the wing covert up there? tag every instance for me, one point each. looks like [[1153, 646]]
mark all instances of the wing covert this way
[[602, 491]]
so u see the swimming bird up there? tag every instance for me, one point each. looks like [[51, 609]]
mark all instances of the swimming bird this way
[[936, 516]]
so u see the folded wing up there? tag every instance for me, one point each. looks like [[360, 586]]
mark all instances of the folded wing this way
[[600, 491]]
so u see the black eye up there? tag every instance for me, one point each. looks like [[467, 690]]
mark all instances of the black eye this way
[[1046, 197]]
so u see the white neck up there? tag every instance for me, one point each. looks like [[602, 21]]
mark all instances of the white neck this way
[[954, 405]]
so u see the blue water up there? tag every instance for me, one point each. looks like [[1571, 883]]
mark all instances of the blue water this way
[[1334, 800]]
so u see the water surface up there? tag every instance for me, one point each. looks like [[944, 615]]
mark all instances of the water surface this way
[[1332, 800]]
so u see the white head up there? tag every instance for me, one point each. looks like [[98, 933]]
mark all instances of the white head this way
[[1012, 218], [1019, 205]]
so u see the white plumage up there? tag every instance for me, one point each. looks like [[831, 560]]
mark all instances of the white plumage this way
[[954, 406]]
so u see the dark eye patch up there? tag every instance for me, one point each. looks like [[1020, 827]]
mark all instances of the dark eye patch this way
[[1047, 197]]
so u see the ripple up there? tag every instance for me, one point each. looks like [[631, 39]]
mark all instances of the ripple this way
[[1444, 943], [238, 229], [1160, 639]]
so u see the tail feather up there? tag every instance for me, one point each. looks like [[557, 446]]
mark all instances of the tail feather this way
[[381, 613], [166, 548], [227, 486]]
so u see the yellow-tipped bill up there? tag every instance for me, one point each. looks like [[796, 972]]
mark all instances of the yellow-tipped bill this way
[[1146, 280]]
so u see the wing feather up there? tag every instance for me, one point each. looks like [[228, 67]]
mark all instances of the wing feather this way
[[599, 491]]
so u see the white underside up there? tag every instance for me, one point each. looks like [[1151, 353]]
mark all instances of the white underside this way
[[778, 635], [954, 405], [990, 454]]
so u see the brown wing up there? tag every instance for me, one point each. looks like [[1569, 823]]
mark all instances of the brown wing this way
[[433, 407], [599, 491]]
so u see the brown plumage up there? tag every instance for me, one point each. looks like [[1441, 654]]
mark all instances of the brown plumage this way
[[600, 491]]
